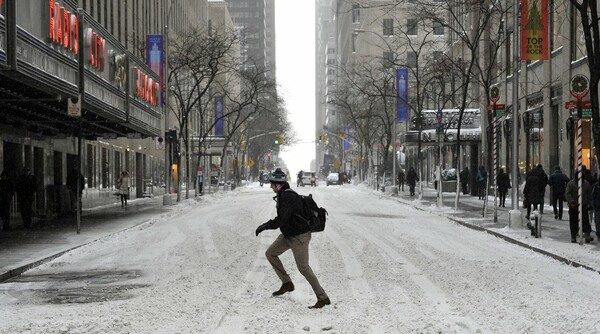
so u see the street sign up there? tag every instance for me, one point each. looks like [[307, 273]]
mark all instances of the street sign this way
[[159, 143], [498, 107], [74, 107], [495, 94], [580, 86], [109, 135], [570, 104]]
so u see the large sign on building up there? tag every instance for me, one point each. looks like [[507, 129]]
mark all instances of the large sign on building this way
[[447, 119], [117, 86]]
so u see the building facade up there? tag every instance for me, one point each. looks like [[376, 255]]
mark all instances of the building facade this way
[[75, 88]]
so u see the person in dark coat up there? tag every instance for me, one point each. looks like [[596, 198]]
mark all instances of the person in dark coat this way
[[558, 184], [464, 180], [535, 188], [295, 235], [401, 179], [503, 184], [411, 180], [26, 186], [6, 195], [572, 197], [481, 182], [73, 188]]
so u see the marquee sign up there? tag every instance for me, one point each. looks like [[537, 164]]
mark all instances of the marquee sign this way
[[146, 88], [97, 49], [63, 27]]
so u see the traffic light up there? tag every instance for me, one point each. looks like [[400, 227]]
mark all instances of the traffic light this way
[[279, 140], [171, 136], [320, 139]]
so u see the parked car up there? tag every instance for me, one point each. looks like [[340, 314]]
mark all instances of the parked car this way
[[333, 178], [309, 178]]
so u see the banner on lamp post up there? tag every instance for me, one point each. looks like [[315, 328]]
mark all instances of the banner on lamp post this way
[[347, 139], [154, 59], [401, 94], [534, 30], [220, 123]]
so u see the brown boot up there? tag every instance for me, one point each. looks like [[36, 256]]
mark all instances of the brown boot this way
[[321, 303], [286, 287]]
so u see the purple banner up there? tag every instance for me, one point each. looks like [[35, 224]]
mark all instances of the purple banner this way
[[154, 59], [347, 139], [220, 124], [401, 94]]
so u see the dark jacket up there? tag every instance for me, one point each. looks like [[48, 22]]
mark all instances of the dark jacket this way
[[288, 205], [558, 182], [411, 177], [72, 182], [401, 176], [26, 186], [572, 192], [535, 186], [7, 191], [503, 182], [464, 175]]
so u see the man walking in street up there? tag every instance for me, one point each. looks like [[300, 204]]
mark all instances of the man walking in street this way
[[558, 184], [295, 235]]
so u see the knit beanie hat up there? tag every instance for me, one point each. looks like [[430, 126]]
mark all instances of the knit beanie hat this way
[[278, 176]]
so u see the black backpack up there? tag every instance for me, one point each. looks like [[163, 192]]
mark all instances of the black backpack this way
[[313, 214]]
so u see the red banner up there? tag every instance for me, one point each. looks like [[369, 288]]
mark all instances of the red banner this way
[[534, 30]]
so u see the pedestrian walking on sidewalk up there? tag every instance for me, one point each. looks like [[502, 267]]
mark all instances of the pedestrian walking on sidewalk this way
[[503, 184], [295, 235], [464, 180], [572, 196], [123, 187], [401, 179], [26, 186], [596, 207], [73, 187], [558, 185], [411, 180], [481, 182], [7, 191], [535, 188]]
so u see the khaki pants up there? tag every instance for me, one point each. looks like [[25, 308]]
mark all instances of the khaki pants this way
[[299, 247]]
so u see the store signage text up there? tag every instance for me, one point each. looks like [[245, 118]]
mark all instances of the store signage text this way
[[64, 27], [145, 87], [97, 46]]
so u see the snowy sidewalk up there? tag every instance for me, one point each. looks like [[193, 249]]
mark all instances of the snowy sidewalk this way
[[22, 249], [556, 236]]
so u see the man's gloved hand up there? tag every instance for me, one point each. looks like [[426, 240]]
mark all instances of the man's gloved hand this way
[[261, 228]]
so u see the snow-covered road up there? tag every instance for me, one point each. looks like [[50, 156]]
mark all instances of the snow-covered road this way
[[387, 267]]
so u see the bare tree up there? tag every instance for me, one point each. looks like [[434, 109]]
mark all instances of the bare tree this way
[[197, 60]]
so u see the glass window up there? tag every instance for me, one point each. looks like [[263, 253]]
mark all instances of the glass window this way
[[388, 59], [355, 13], [438, 28], [411, 27], [411, 59], [388, 27]]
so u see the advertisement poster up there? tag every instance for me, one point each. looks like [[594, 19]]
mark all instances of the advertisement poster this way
[[154, 58], [402, 94], [534, 30]]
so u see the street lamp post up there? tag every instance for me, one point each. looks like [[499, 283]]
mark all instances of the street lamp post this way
[[167, 197]]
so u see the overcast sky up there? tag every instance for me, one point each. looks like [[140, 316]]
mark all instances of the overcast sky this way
[[295, 31]]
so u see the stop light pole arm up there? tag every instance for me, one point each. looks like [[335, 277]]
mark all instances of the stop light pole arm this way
[[264, 134]]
